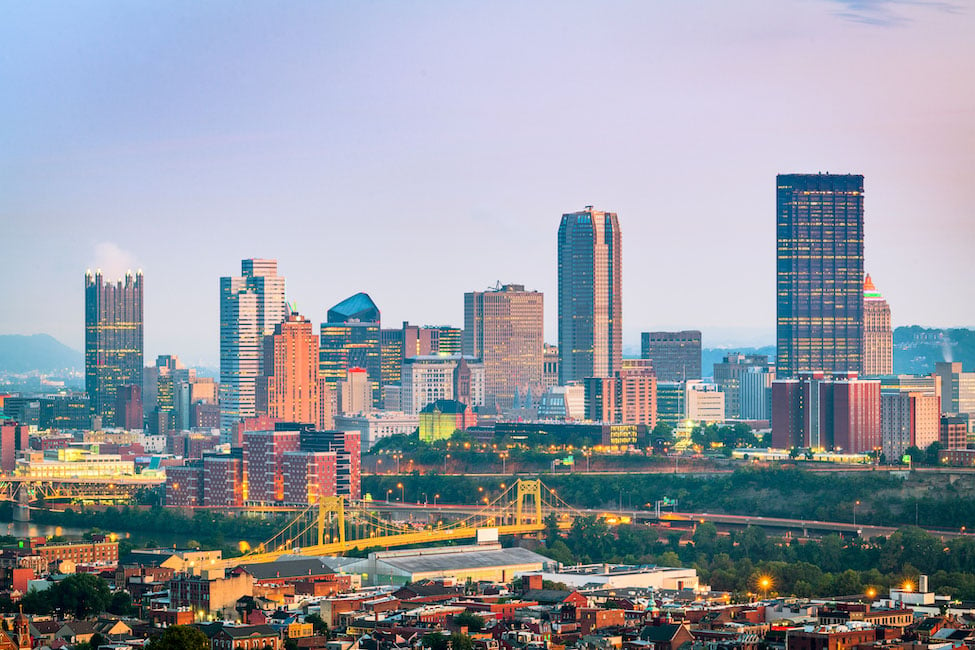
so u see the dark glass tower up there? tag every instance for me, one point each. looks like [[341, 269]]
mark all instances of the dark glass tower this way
[[819, 273], [590, 295], [351, 339], [113, 341]]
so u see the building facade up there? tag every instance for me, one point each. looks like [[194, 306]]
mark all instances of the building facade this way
[[590, 295], [289, 386], [836, 413], [504, 328], [350, 338], [676, 356], [428, 379], [113, 340], [957, 388], [251, 305], [878, 335], [819, 273], [628, 398], [729, 375], [908, 419]]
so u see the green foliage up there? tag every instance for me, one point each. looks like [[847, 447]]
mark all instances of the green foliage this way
[[180, 637], [79, 595], [461, 642], [435, 641], [472, 621], [319, 625], [121, 604]]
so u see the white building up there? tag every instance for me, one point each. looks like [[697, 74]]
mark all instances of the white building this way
[[703, 402], [251, 304], [425, 379], [563, 403], [378, 425], [619, 576]]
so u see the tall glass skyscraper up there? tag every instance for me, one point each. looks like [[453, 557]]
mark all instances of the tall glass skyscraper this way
[[819, 273], [113, 341], [350, 339], [251, 304], [590, 295]]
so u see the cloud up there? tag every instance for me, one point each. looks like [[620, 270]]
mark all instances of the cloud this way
[[113, 260], [887, 13]]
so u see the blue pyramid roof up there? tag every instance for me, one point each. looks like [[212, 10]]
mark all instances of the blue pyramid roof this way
[[359, 307]]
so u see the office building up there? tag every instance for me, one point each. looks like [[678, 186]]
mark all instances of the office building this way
[[840, 412], [924, 384], [590, 295], [355, 392], [223, 479], [128, 407], [819, 273], [504, 328], [113, 340], [13, 440], [441, 418], [413, 341], [908, 419], [878, 335], [670, 402], [628, 398], [953, 433], [264, 462], [676, 356], [350, 338], [427, 379], [563, 403], [755, 393], [289, 386], [703, 402], [957, 388], [550, 365], [375, 426], [728, 376], [251, 304]]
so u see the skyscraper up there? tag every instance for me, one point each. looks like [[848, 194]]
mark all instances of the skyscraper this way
[[590, 295], [350, 338], [289, 386], [250, 306], [113, 341], [676, 356], [878, 337], [504, 328], [819, 273]]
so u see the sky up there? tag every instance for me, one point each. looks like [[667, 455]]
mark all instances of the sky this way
[[418, 150]]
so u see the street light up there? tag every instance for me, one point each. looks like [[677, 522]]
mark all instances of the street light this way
[[765, 582], [445, 459], [435, 497], [402, 492], [855, 504], [388, 492]]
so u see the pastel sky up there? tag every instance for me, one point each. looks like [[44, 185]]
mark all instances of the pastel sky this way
[[418, 150]]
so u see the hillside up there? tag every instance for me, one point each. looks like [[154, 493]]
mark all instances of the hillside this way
[[917, 349], [39, 352]]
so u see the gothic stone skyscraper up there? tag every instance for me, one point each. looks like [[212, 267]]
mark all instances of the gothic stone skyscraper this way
[[250, 306], [878, 337], [590, 295], [819, 273], [113, 341]]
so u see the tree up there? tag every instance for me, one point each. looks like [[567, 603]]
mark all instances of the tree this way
[[435, 641], [473, 622], [461, 642], [121, 604], [180, 637], [932, 455], [319, 625]]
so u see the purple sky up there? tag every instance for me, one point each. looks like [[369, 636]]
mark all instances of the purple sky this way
[[417, 150]]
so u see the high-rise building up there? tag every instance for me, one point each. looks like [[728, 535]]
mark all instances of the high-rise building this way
[[908, 419], [953, 432], [251, 304], [414, 341], [878, 336], [703, 402], [819, 273], [839, 412], [113, 340], [676, 356], [755, 393], [590, 295], [264, 462], [504, 328], [728, 376], [350, 338], [354, 393], [289, 386], [628, 398], [957, 388]]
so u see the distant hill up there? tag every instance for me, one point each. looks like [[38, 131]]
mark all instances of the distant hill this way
[[39, 352], [917, 349]]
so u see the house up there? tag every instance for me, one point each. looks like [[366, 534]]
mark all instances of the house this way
[[667, 636], [246, 637]]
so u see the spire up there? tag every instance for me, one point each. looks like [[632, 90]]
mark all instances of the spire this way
[[869, 290], [868, 284]]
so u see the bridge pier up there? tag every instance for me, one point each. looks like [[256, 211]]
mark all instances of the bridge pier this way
[[22, 507]]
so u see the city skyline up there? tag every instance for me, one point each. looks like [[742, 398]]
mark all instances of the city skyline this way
[[138, 140]]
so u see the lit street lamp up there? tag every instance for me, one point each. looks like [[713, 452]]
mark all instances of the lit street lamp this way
[[855, 504]]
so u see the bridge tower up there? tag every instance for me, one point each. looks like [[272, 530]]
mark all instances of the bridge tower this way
[[530, 489], [326, 507]]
